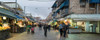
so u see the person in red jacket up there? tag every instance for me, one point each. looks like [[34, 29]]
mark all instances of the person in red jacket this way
[[32, 28]]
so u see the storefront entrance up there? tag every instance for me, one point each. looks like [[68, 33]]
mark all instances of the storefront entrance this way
[[93, 26]]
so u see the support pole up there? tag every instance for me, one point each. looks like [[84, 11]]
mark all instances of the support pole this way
[[97, 11], [16, 6]]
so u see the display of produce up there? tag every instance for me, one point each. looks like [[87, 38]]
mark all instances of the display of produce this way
[[20, 23], [4, 27]]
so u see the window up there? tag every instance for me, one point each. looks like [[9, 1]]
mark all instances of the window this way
[[82, 3], [92, 6]]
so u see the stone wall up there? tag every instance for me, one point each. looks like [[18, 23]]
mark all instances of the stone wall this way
[[74, 6]]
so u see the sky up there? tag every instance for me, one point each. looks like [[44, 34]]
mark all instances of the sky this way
[[38, 8]]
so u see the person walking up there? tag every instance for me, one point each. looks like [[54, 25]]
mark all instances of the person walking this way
[[28, 28], [65, 29], [49, 27], [45, 30], [40, 26], [32, 28], [60, 29]]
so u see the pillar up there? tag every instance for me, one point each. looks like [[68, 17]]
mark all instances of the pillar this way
[[87, 28]]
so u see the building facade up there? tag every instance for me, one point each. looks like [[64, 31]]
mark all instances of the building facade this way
[[49, 17], [84, 12]]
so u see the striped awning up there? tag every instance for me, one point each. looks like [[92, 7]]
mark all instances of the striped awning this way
[[87, 17]]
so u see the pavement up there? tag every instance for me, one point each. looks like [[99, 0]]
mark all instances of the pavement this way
[[53, 35]]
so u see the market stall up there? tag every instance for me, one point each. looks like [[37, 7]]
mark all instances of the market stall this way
[[4, 28], [17, 26], [20, 26], [74, 27]]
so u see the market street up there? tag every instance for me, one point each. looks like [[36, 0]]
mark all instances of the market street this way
[[49, 19], [53, 35]]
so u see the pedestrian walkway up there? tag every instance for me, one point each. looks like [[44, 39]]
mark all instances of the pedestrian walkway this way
[[39, 35], [53, 35]]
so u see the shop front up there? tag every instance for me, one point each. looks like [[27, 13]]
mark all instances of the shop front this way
[[74, 27], [4, 28], [88, 23], [17, 25], [5, 15], [20, 26], [87, 26]]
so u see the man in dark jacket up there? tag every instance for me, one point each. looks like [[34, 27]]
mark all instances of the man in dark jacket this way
[[45, 30], [65, 28]]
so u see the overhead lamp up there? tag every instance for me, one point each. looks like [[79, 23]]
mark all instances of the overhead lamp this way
[[4, 17]]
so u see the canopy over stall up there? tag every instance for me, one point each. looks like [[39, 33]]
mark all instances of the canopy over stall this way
[[86, 17]]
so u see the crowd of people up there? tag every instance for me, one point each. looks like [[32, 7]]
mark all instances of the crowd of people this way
[[63, 28]]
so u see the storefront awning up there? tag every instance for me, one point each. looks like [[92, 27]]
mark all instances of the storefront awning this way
[[57, 11], [94, 1], [62, 5], [21, 13], [18, 17], [87, 17], [29, 18], [7, 13], [66, 3]]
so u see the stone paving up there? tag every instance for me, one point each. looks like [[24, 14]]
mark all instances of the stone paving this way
[[53, 35]]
